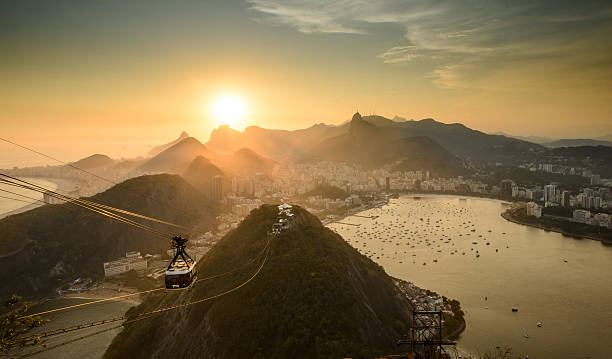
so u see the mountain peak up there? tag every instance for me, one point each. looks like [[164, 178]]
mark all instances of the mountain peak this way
[[342, 286], [360, 127], [159, 149]]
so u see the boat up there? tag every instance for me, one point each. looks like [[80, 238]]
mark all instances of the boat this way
[[526, 335], [515, 309], [539, 324]]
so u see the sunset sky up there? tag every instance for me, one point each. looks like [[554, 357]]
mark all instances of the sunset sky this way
[[142, 71]]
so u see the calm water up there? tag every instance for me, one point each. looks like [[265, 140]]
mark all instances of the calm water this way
[[562, 282], [8, 205], [83, 344]]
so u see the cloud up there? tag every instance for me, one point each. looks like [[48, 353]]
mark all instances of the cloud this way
[[398, 54], [464, 37]]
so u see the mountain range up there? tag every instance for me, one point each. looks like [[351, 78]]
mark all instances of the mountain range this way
[[461, 141], [372, 146], [158, 149], [276, 144], [577, 142], [178, 158], [566, 142]]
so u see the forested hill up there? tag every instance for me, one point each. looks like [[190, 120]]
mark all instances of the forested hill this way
[[43, 248], [315, 296]]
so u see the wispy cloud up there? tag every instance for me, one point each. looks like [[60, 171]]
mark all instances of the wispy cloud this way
[[463, 36]]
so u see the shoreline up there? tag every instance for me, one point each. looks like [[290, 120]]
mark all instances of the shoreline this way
[[507, 215], [442, 195], [352, 212], [62, 185]]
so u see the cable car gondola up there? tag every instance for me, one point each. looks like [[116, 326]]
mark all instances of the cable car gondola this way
[[181, 271]]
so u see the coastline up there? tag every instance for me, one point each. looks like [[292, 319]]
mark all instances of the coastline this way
[[507, 215], [358, 211], [62, 185], [442, 195]]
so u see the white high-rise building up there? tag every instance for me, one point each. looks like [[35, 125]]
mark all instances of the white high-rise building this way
[[550, 193]]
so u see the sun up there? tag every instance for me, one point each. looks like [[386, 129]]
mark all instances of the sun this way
[[229, 109]]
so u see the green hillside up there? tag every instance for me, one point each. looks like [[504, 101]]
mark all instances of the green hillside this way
[[316, 296], [43, 248]]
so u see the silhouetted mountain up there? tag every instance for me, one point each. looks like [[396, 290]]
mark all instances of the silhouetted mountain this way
[[246, 161], [466, 143], [372, 146], [598, 158], [200, 174], [276, 144], [45, 247], [535, 139], [158, 149], [96, 161], [460, 140], [177, 158], [577, 143], [607, 137], [315, 296]]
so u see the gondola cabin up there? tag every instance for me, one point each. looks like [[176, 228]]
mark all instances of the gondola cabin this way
[[181, 271]]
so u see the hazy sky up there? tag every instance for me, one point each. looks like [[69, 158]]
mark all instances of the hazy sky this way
[[141, 71]]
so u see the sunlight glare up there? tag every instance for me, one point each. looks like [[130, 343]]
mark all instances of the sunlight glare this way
[[229, 109]]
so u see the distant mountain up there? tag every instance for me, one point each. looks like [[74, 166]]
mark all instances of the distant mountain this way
[[275, 144], [461, 141], [158, 149], [177, 159], [200, 174], [468, 144], [577, 143], [315, 296], [535, 139], [372, 146], [598, 158], [46, 247], [607, 137], [96, 161], [246, 161]]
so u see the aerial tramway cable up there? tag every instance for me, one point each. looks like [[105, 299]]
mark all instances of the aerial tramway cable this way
[[146, 291], [95, 207], [137, 317], [119, 185], [42, 189]]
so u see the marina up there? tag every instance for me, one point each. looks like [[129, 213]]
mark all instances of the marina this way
[[462, 248]]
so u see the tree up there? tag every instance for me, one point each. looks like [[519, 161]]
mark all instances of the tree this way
[[15, 322]]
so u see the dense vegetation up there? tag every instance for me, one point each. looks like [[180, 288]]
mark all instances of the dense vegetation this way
[[15, 322], [328, 191], [43, 248], [564, 226], [315, 297], [494, 175]]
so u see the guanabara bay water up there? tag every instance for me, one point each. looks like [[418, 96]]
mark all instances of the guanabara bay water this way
[[462, 248]]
